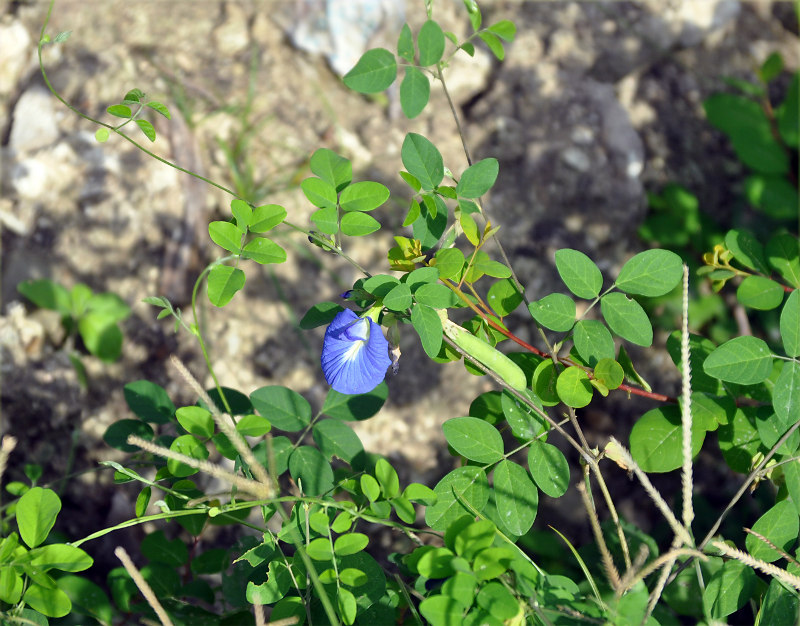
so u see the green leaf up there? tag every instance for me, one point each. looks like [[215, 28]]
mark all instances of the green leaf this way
[[656, 441], [223, 283], [516, 496], [494, 45], [742, 360], [359, 224], [774, 195], [429, 328], [422, 160], [729, 589], [101, 336], [347, 606], [524, 423], [746, 249], [790, 324], [36, 512], [573, 387], [739, 440], [278, 583], [46, 294], [335, 438], [749, 131], [759, 293], [117, 433], [374, 72], [380, 285], [651, 273], [370, 487], [319, 193], [309, 466], [266, 217], [364, 196], [157, 548], [350, 543], [555, 311], [286, 409], [786, 394], [709, 411], [334, 169], [505, 29], [101, 135], [474, 439], [771, 67], [87, 597], [504, 297], [579, 273], [435, 295], [780, 526], [422, 276], [320, 549], [253, 426], [593, 341], [498, 601], [196, 420], [191, 447], [159, 107], [60, 556], [243, 214], [415, 91], [226, 235], [49, 601], [387, 478], [405, 44], [264, 251], [320, 315], [478, 178], [545, 377], [483, 264], [142, 501], [549, 468], [119, 110], [627, 318], [147, 128], [780, 606], [783, 253], [609, 372], [355, 407], [430, 42], [442, 610], [699, 349], [398, 298], [470, 484]]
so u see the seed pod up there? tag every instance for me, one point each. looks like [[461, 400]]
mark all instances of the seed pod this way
[[488, 356]]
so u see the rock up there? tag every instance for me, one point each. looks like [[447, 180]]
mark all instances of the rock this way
[[34, 124], [15, 48], [232, 36], [46, 175]]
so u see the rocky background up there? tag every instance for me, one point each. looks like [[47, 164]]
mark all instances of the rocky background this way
[[595, 105]]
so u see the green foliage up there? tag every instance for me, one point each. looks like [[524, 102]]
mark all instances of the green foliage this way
[[301, 477]]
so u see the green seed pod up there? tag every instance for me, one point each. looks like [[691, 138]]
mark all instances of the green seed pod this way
[[488, 356]]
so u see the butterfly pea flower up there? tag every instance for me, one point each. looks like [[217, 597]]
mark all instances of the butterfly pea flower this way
[[355, 354]]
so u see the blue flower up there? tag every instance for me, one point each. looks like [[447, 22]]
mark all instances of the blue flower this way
[[355, 354]]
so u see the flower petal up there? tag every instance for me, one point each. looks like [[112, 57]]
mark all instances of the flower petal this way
[[355, 354]]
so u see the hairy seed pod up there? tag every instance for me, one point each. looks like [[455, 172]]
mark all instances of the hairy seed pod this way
[[488, 356]]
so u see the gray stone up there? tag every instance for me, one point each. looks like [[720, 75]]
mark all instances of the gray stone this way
[[34, 124], [15, 50]]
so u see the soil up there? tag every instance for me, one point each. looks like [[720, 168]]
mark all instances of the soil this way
[[595, 105]]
